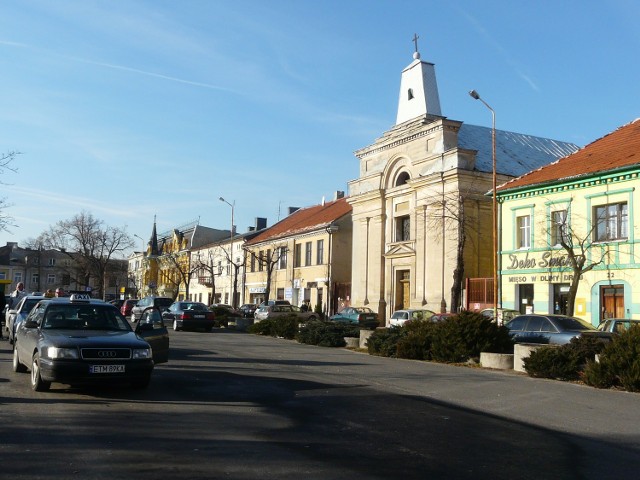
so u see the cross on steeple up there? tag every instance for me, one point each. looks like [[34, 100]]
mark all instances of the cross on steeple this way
[[415, 41]]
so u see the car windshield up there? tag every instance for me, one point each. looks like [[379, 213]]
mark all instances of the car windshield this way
[[84, 317], [571, 324]]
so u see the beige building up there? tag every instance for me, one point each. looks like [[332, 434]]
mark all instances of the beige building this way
[[305, 258], [421, 214]]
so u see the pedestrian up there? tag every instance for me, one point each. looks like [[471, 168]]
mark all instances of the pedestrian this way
[[14, 299], [49, 294], [59, 292]]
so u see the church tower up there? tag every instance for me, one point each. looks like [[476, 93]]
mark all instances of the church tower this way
[[418, 90]]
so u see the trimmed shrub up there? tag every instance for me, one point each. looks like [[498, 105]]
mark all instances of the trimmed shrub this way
[[619, 363], [324, 334], [283, 327], [416, 344], [464, 336], [563, 362], [383, 341]]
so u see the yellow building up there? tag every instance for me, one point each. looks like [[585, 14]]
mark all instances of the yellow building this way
[[578, 209], [305, 258], [421, 217]]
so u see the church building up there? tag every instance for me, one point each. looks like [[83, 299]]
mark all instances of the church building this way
[[422, 215]]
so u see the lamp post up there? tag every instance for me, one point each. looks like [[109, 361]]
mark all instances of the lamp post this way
[[138, 236], [475, 96], [233, 206], [330, 229]]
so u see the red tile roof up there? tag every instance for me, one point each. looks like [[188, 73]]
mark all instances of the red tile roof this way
[[618, 149], [305, 220]]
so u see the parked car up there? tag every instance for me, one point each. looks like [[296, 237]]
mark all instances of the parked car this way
[[554, 329], [128, 305], [223, 313], [190, 316], [79, 340], [362, 316], [17, 315], [617, 325], [400, 317], [116, 302], [274, 311], [161, 303], [440, 317], [248, 309], [504, 314], [267, 303]]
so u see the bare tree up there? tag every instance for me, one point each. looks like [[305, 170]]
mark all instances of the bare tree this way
[[576, 243], [178, 270], [6, 220], [448, 215], [90, 243], [207, 263], [268, 261]]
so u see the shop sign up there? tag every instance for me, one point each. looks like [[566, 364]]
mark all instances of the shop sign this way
[[547, 260], [258, 290], [550, 277]]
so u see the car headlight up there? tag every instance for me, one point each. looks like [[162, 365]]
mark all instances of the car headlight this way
[[57, 352], [142, 353]]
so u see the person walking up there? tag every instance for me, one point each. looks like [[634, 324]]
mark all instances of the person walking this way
[[14, 299]]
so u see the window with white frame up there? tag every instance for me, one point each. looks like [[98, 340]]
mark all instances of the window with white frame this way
[[35, 279], [52, 262], [524, 231], [611, 222], [559, 227], [51, 278], [17, 277]]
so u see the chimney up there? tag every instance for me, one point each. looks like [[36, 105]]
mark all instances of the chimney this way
[[293, 209], [338, 195], [260, 223]]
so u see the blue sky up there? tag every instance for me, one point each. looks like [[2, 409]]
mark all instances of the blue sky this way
[[130, 109]]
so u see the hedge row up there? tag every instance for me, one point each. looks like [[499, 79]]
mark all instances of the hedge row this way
[[456, 339]]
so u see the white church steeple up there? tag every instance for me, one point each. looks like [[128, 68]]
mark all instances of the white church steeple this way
[[418, 89]]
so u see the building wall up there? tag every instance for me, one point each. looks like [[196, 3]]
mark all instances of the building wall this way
[[541, 266], [390, 274]]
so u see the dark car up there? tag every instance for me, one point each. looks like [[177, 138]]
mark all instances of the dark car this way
[[190, 316], [79, 340], [555, 329], [224, 313], [248, 309], [161, 303], [128, 305], [362, 316]]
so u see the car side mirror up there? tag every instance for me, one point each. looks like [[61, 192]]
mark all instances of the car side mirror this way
[[30, 324], [13, 311]]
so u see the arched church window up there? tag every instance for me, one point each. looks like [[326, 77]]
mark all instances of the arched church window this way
[[402, 179]]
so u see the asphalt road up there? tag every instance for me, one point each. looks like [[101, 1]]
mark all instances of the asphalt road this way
[[230, 405]]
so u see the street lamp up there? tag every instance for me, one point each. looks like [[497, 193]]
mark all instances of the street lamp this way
[[233, 206], [138, 236], [475, 96]]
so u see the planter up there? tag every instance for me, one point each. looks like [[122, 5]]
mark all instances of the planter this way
[[352, 342], [500, 361], [242, 323], [522, 351], [364, 336]]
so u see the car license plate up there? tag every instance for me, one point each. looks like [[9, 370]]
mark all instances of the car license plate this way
[[198, 316], [106, 368]]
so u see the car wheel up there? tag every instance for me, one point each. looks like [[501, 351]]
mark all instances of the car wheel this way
[[37, 383], [175, 326], [17, 366]]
